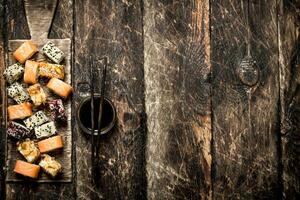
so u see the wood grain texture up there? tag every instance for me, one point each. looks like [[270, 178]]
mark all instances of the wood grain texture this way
[[16, 20], [244, 119], [20, 30], [39, 15], [2, 64], [177, 71], [62, 22], [289, 62], [115, 29], [177, 107]]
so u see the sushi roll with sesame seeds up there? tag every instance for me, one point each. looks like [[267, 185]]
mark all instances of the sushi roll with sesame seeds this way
[[17, 92], [45, 130], [13, 72], [36, 119], [53, 52]]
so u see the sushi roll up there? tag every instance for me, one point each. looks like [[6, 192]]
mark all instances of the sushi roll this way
[[57, 110], [45, 130], [25, 51], [51, 144], [53, 52], [49, 70], [27, 169], [17, 92], [14, 90], [17, 131], [50, 165], [29, 150], [37, 94], [13, 72], [20, 111], [31, 72], [37, 119], [59, 87]]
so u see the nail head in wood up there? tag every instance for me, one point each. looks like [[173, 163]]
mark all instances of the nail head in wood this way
[[248, 72]]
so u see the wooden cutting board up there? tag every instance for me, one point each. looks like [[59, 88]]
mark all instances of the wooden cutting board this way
[[39, 17]]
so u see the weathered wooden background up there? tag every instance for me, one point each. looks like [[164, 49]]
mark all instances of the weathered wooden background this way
[[188, 128]]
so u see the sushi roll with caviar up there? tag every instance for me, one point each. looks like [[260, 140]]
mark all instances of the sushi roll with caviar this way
[[45, 130], [36, 119], [17, 130], [53, 52], [13, 72], [57, 110], [29, 150]]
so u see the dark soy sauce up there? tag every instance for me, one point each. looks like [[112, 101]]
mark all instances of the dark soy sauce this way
[[85, 114]]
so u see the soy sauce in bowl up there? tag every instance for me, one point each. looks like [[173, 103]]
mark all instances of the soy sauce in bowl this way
[[108, 115]]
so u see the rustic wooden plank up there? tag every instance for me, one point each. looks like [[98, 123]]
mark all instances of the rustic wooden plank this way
[[245, 122], [39, 191], [61, 29], [115, 29], [177, 78], [3, 31], [39, 15], [289, 61], [17, 22], [62, 24]]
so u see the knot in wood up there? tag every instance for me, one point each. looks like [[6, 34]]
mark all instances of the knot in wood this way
[[248, 72]]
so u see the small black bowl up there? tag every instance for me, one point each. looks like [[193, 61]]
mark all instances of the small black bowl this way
[[84, 115]]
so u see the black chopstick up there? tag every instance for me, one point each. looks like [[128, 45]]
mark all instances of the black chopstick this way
[[102, 93], [91, 64]]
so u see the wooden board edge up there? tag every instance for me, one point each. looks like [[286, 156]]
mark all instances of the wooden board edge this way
[[288, 38]]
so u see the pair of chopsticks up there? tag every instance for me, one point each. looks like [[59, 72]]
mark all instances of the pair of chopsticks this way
[[96, 143]]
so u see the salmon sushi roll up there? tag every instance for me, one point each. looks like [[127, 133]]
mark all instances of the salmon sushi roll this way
[[27, 169], [20, 111], [13, 72], [25, 51], [59, 87], [31, 72], [51, 144]]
